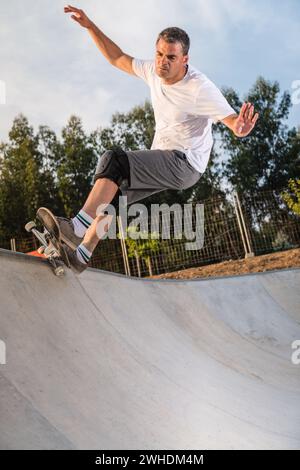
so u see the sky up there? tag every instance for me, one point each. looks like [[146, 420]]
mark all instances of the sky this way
[[50, 68]]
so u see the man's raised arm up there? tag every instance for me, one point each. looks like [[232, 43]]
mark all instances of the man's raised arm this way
[[108, 48]]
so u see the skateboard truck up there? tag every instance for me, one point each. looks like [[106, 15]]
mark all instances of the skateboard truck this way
[[47, 248]]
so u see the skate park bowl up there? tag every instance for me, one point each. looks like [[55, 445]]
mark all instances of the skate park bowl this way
[[103, 361]]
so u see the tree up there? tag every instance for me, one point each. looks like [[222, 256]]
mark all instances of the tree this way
[[130, 131], [269, 156], [24, 183], [76, 167]]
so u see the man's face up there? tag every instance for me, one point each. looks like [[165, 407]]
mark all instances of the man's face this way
[[169, 60]]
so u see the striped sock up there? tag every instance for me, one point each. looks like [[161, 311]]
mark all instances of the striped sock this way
[[83, 254], [81, 223]]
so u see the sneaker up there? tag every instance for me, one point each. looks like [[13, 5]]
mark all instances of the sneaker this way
[[67, 233], [76, 265]]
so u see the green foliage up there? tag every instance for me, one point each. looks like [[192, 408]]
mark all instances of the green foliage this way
[[141, 245], [76, 167], [281, 241], [269, 156], [25, 183], [131, 131], [292, 196]]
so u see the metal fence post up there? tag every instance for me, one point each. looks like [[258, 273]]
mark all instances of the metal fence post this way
[[13, 244], [123, 246], [242, 226]]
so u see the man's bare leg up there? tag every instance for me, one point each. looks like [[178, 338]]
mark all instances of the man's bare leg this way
[[93, 234], [92, 222], [102, 192]]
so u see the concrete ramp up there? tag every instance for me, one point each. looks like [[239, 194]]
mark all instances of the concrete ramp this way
[[101, 361]]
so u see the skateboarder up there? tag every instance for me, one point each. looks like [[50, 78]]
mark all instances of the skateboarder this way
[[185, 103]]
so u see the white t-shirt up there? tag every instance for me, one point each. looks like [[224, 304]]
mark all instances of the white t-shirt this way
[[184, 112]]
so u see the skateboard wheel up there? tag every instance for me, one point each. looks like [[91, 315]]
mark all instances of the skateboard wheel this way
[[29, 226], [48, 251], [59, 271], [41, 250]]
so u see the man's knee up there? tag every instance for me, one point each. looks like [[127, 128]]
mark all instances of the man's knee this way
[[113, 165], [116, 202]]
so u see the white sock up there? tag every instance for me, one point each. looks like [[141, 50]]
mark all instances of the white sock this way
[[81, 223], [83, 254]]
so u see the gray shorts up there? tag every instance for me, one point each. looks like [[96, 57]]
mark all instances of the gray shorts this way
[[152, 171]]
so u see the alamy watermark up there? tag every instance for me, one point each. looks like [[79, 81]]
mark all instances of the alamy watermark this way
[[296, 93], [2, 92], [296, 354], [2, 353], [188, 222]]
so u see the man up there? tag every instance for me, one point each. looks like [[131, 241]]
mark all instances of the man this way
[[185, 103]]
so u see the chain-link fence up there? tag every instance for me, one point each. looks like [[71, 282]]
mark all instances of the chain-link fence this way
[[270, 224], [217, 229]]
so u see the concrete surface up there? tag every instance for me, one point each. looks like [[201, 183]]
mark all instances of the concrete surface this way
[[101, 361]]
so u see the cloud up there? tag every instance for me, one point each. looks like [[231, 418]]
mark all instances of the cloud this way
[[52, 102]]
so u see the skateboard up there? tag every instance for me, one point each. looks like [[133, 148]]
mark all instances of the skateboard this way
[[51, 244]]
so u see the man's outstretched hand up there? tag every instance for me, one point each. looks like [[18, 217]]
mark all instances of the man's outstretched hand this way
[[79, 16], [245, 121], [242, 124]]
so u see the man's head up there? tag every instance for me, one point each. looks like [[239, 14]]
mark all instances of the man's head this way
[[172, 47]]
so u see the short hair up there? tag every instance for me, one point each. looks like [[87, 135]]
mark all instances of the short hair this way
[[174, 34]]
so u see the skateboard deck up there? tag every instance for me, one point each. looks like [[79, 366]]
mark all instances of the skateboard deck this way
[[51, 244]]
